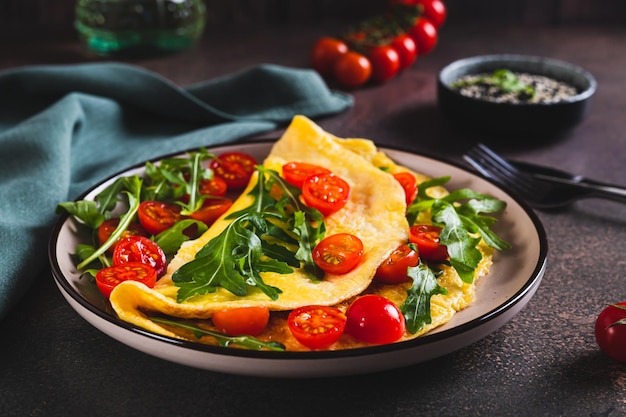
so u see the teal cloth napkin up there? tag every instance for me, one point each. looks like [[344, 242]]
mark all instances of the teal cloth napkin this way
[[64, 128]]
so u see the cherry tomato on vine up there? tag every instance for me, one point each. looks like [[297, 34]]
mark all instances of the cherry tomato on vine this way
[[385, 62], [326, 192], [406, 48], [110, 277], [424, 34], [434, 10], [235, 168], [374, 319], [241, 321], [393, 270], [157, 216], [409, 184], [352, 69], [316, 327], [325, 53], [212, 209], [140, 249], [610, 331], [296, 172], [108, 227], [426, 237], [338, 254]]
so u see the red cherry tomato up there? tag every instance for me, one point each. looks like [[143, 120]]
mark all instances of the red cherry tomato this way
[[326, 192], [409, 184], [352, 69], [108, 227], [610, 331], [215, 186], [374, 319], [426, 237], [296, 172], [325, 53], [241, 321], [393, 270], [385, 63], [434, 10], [211, 210], [235, 168], [424, 34], [316, 327], [157, 216], [338, 254], [140, 249], [407, 50], [110, 277]]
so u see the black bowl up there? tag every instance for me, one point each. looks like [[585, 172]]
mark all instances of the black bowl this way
[[528, 120]]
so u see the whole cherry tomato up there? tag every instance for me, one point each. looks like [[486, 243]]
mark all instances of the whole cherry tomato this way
[[316, 327], [327, 193], [158, 216], [338, 254], [426, 237], [406, 48], [325, 53], [424, 34], [385, 63], [241, 321], [434, 10], [374, 319], [610, 331], [352, 69], [393, 270], [110, 277], [409, 184], [140, 249], [296, 172], [235, 168]]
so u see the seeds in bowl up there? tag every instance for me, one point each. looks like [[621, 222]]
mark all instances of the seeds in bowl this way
[[505, 86]]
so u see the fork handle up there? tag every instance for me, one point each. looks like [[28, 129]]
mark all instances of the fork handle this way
[[595, 188]]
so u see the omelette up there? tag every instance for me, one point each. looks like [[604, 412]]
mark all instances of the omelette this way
[[375, 212]]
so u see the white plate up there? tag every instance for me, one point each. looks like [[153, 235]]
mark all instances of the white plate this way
[[512, 282]]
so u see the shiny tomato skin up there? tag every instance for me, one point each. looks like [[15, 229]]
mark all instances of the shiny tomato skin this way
[[157, 216], [611, 335], [352, 69], [434, 10], [241, 321], [327, 193], [385, 63], [393, 270], [296, 172], [409, 184], [140, 249], [316, 327], [110, 277], [338, 254], [108, 227], [406, 48], [235, 168], [424, 34], [211, 210], [374, 319], [426, 237], [325, 53]]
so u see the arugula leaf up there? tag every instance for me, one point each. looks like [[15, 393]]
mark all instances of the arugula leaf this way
[[171, 239], [416, 307], [245, 341], [504, 79]]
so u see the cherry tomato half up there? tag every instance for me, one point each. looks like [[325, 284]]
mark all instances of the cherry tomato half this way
[[110, 277], [212, 209], [409, 184], [424, 34], [326, 192], [108, 227], [393, 270], [610, 331], [140, 249], [426, 237], [325, 53], [241, 321], [338, 254], [385, 63], [406, 48], [374, 319], [235, 168], [215, 186], [296, 172], [352, 69], [316, 327], [157, 216]]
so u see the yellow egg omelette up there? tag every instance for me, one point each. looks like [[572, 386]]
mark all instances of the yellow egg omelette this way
[[375, 212]]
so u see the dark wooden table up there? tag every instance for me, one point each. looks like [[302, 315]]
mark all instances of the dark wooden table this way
[[545, 362]]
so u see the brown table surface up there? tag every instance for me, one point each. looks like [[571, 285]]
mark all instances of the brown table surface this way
[[544, 362]]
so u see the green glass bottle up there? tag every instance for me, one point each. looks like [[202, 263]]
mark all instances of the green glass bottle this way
[[139, 27]]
